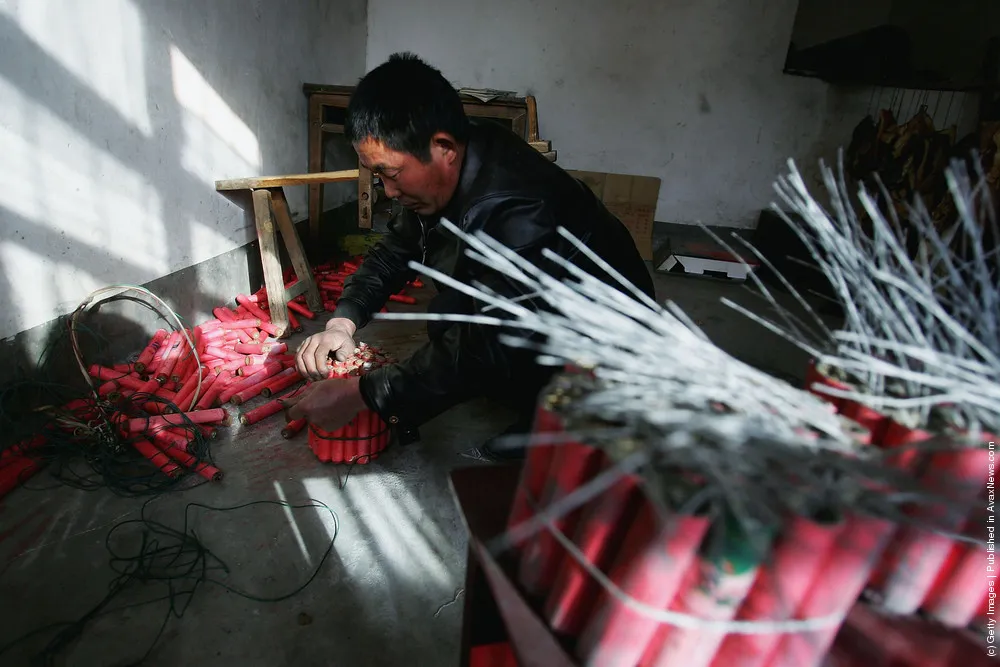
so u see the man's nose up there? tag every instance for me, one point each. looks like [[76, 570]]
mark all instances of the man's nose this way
[[391, 191]]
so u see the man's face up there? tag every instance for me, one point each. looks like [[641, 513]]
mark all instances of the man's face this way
[[423, 187]]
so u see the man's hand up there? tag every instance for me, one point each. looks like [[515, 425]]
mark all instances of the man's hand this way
[[328, 405], [338, 338]]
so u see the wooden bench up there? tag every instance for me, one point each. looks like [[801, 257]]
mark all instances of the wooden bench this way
[[269, 208]]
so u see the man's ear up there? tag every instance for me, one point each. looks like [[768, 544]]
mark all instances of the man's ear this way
[[444, 145]]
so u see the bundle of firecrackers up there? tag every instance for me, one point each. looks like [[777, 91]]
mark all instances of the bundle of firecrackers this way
[[237, 357], [671, 556], [366, 436], [922, 569]]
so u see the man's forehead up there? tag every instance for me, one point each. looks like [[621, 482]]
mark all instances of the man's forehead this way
[[377, 156]]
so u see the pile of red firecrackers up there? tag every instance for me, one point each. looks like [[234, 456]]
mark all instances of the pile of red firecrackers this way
[[237, 357]]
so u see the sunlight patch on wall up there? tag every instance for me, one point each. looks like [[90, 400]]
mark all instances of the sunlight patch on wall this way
[[59, 209], [218, 143], [111, 61], [41, 285]]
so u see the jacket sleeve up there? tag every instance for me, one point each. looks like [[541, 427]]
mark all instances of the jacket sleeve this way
[[383, 272], [467, 359]]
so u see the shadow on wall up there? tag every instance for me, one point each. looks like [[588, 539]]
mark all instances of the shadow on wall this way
[[113, 136]]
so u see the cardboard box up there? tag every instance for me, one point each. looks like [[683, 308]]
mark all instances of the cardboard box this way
[[632, 199]]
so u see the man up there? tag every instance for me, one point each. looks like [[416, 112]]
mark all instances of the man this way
[[407, 124]]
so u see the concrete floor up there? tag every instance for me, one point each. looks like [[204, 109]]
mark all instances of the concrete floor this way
[[399, 555]]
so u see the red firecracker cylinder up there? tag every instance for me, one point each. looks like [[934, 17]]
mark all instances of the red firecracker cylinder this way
[[816, 376], [836, 588], [916, 555], [573, 464], [296, 307], [536, 467], [147, 354], [262, 412], [189, 461], [256, 380], [871, 419], [281, 381], [780, 588], [903, 438], [197, 417], [293, 428], [402, 298], [603, 524], [252, 308], [210, 395], [347, 444], [956, 598], [649, 567], [157, 457], [718, 582]]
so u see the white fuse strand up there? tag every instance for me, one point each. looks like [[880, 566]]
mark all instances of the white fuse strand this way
[[921, 332]]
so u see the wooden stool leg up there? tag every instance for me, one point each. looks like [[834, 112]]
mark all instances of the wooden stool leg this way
[[295, 250], [269, 259], [364, 198], [315, 165], [532, 117]]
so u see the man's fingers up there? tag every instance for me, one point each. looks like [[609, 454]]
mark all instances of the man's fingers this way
[[292, 400], [296, 411], [309, 355], [292, 405], [345, 351], [312, 356], [302, 354], [319, 357]]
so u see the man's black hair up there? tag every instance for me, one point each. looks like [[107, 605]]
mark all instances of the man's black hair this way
[[402, 103]]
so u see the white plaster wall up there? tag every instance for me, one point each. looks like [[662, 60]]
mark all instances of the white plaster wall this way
[[117, 116], [691, 91]]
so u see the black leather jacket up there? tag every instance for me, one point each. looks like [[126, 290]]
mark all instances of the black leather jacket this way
[[518, 197]]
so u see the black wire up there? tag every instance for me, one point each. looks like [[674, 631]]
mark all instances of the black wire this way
[[170, 557], [331, 438], [355, 460], [92, 454]]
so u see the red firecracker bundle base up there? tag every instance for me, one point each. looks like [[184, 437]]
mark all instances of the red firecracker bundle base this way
[[365, 436], [817, 567], [923, 570]]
